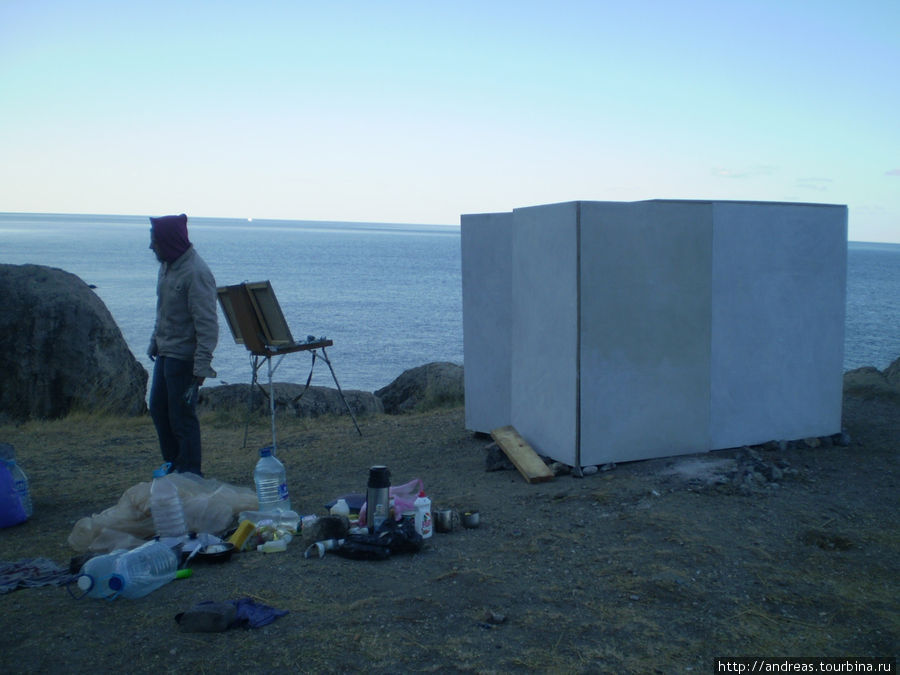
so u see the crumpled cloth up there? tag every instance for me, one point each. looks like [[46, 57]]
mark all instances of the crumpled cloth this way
[[255, 615], [213, 617], [32, 572]]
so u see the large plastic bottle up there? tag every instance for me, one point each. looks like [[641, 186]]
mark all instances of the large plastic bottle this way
[[271, 482], [143, 570], [20, 483], [422, 521], [94, 577], [165, 505]]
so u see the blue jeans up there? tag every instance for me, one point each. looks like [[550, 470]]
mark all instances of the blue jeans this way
[[174, 418]]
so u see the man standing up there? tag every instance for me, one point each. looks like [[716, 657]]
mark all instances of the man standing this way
[[184, 337]]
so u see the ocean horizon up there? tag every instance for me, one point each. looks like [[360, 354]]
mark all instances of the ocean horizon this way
[[388, 294]]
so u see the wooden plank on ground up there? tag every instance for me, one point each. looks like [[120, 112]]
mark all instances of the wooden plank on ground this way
[[521, 454]]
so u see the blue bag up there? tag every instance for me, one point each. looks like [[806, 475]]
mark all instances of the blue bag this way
[[12, 511]]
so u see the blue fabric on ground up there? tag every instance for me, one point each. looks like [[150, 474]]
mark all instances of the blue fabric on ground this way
[[255, 615]]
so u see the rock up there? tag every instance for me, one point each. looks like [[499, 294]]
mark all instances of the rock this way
[[892, 373], [496, 460], [868, 382], [560, 468], [841, 439], [61, 350], [316, 401], [429, 386]]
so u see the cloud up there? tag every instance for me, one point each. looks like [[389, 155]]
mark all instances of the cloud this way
[[892, 172], [748, 172], [814, 183]]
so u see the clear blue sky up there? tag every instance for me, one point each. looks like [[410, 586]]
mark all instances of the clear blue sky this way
[[421, 111]]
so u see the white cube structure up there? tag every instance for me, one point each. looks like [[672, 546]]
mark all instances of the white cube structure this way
[[617, 331]]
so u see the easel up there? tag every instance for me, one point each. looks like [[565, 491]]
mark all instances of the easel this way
[[257, 322]]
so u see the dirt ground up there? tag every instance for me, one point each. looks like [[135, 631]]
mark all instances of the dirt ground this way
[[654, 566]]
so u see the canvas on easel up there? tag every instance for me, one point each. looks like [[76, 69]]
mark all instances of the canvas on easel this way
[[271, 318], [256, 321]]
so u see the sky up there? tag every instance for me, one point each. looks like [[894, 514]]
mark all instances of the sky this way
[[418, 112]]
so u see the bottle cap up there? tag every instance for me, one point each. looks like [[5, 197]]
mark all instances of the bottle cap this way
[[163, 470], [266, 451]]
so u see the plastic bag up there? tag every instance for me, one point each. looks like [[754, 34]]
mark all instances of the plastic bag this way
[[12, 511], [391, 537], [404, 499], [209, 506]]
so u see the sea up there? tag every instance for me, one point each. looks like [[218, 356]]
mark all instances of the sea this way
[[389, 295]]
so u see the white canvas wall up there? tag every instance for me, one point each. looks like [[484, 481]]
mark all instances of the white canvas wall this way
[[486, 241], [655, 328], [645, 302], [544, 384], [777, 313]]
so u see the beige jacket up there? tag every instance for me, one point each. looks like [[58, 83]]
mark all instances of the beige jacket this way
[[187, 324]]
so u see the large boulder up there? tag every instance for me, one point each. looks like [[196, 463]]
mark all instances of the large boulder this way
[[868, 382], [432, 385], [892, 373], [314, 402], [61, 350]]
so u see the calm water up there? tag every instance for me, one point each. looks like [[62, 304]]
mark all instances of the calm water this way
[[388, 295]]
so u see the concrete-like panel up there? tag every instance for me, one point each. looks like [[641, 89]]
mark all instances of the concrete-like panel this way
[[544, 328], [645, 321], [486, 241], [648, 329], [779, 274]]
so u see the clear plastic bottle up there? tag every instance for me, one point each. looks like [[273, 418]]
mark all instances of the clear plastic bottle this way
[[20, 483], [165, 505], [144, 569], [271, 482], [96, 572]]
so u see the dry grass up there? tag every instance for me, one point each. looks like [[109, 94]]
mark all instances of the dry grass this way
[[627, 571]]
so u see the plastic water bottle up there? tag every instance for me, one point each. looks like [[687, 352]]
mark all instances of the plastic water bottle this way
[[20, 484], [95, 574], [271, 482], [165, 505], [143, 570], [423, 524]]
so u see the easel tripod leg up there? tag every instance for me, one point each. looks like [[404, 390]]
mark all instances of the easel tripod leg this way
[[340, 391]]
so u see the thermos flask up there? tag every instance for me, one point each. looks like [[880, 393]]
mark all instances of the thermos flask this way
[[377, 496]]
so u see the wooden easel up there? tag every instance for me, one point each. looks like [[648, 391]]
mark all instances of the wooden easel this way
[[257, 322]]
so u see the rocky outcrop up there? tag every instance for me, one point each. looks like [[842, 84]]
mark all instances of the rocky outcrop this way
[[315, 401], [429, 386], [61, 350], [422, 388], [868, 382]]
